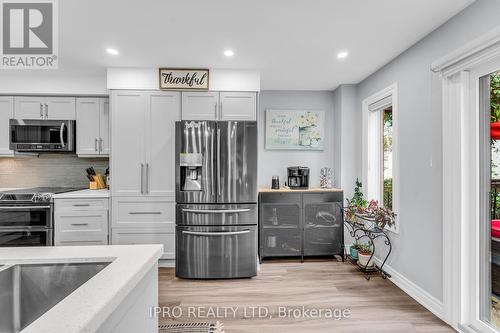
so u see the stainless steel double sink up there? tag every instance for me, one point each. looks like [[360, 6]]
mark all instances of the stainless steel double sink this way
[[27, 291]]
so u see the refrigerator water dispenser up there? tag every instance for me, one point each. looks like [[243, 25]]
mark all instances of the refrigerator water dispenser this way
[[191, 165]]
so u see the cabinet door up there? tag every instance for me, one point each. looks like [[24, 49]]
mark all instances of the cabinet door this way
[[104, 127], [128, 109], [238, 106], [81, 227], [200, 105], [60, 108], [128, 236], [29, 108], [164, 111], [87, 126], [6, 113]]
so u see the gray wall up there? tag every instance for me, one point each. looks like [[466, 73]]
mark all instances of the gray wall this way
[[48, 170], [275, 162], [418, 247]]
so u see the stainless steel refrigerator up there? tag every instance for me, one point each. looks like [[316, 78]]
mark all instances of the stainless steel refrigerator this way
[[216, 195]]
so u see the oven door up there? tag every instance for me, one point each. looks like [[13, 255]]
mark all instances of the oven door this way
[[37, 216], [31, 237], [41, 135], [216, 252]]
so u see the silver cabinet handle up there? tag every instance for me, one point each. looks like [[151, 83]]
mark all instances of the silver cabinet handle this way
[[144, 213], [95, 144], [224, 233], [41, 110], [142, 178], [100, 145], [61, 135], [81, 205], [220, 110], [218, 163], [147, 178], [216, 211], [79, 224], [46, 111], [215, 110]]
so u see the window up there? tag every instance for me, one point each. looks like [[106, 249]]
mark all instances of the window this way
[[380, 168]]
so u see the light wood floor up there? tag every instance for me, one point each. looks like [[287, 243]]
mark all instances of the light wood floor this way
[[376, 305]]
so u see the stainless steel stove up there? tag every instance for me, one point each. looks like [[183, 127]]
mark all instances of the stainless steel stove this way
[[26, 216]]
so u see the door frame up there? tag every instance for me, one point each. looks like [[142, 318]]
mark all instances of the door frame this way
[[460, 72]]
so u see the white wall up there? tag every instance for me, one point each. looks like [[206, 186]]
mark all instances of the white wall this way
[[275, 162], [51, 82], [417, 253]]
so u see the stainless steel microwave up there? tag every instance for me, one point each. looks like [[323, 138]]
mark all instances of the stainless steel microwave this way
[[28, 135]]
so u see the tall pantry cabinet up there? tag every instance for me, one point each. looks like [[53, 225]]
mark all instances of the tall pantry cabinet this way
[[142, 167]]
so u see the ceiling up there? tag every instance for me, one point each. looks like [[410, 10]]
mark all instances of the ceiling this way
[[293, 43]]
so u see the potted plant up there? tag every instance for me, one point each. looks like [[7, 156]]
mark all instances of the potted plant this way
[[353, 250], [357, 204], [381, 215], [365, 253]]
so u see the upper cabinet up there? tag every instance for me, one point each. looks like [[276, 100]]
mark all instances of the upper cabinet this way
[[92, 123], [200, 105], [238, 106], [6, 113], [219, 105], [57, 108]]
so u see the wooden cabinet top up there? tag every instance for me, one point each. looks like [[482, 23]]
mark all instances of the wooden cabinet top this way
[[310, 190]]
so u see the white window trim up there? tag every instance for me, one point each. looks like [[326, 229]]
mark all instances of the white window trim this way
[[460, 71], [372, 149]]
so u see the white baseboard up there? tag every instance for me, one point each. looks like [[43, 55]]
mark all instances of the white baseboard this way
[[166, 263], [420, 295]]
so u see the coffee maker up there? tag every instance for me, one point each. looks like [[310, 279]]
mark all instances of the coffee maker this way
[[298, 178]]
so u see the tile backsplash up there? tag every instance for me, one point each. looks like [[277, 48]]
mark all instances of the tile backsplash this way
[[48, 170]]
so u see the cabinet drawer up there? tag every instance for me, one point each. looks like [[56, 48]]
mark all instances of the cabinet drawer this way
[[164, 236], [81, 227], [140, 214], [81, 204]]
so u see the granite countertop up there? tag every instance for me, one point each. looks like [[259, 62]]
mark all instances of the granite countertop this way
[[310, 190], [89, 306], [83, 194]]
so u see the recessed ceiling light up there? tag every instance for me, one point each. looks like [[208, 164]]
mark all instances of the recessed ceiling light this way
[[229, 53], [342, 55], [112, 51]]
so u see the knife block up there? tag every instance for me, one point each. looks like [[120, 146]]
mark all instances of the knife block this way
[[99, 182]]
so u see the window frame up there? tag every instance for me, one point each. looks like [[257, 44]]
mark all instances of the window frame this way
[[372, 109]]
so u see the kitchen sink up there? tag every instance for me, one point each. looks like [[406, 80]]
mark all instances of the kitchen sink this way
[[28, 291]]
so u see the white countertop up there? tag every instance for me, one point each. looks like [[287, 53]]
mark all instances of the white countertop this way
[[82, 194], [87, 308]]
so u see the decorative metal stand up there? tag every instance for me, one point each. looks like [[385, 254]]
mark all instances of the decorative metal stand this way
[[364, 228]]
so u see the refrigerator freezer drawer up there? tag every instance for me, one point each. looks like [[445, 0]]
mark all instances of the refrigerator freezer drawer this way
[[216, 252], [213, 215]]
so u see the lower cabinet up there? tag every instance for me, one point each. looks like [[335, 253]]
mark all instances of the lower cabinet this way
[[81, 222], [300, 224], [139, 220]]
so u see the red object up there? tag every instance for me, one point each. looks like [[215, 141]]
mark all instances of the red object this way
[[495, 130], [495, 228]]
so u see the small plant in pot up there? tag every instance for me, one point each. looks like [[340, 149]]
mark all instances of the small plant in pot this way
[[364, 253], [354, 251], [357, 204]]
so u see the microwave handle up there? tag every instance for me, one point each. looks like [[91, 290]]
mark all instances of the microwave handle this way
[[61, 135]]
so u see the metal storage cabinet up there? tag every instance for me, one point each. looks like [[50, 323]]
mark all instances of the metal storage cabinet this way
[[306, 223]]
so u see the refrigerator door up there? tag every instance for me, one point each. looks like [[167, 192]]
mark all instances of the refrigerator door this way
[[236, 160], [195, 173], [216, 215], [216, 252]]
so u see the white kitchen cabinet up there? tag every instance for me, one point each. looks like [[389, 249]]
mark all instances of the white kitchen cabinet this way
[[223, 105], [142, 123], [56, 108], [166, 237], [81, 222], [92, 127], [238, 106], [200, 105], [6, 113]]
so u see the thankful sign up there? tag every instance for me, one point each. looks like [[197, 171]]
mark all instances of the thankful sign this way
[[190, 79]]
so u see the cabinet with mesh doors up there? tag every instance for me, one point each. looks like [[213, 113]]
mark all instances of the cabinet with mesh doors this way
[[300, 224]]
